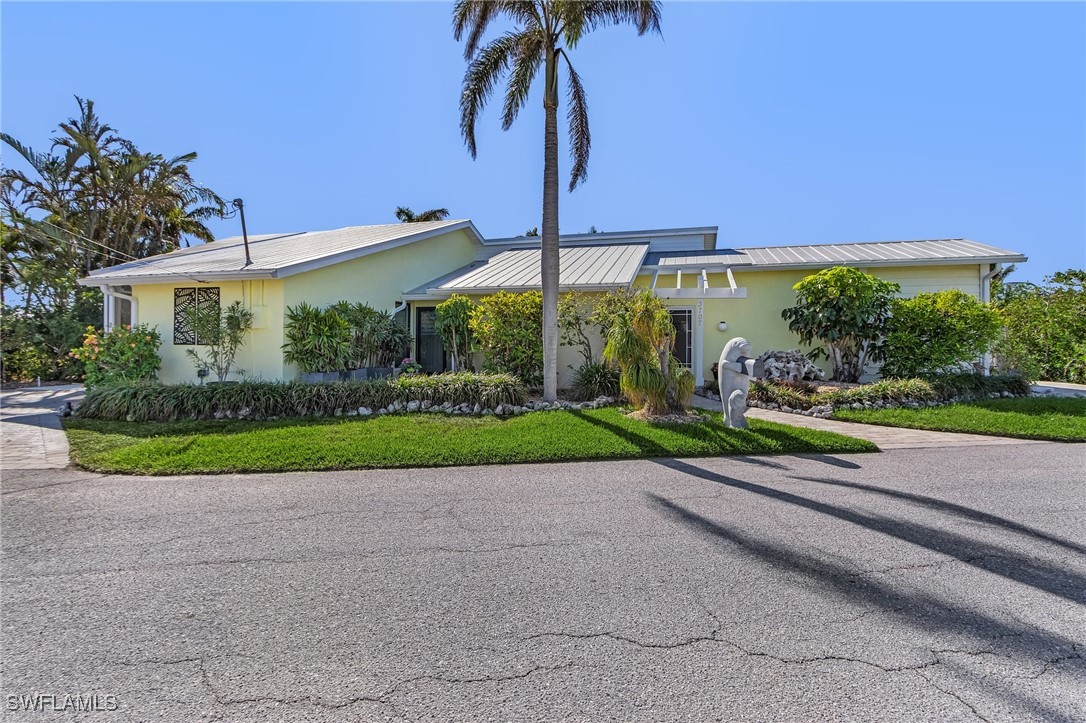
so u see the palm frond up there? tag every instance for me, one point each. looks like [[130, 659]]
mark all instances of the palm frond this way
[[405, 214], [580, 137], [644, 15], [529, 56], [482, 75], [434, 214]]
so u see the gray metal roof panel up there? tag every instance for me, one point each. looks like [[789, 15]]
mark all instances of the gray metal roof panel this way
[[272, 254], [580, 266]]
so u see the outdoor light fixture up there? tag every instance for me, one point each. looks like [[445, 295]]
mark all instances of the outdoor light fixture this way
[[722, 325]]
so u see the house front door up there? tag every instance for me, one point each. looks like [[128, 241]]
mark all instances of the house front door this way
[[431, 352]]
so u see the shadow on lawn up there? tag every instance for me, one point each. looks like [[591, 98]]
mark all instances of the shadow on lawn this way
[[1003, 561]]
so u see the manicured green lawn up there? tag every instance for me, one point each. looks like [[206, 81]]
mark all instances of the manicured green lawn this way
[[1057, 419], [422, 440]]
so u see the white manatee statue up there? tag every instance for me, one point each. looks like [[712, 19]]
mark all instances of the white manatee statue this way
[[734, 371]]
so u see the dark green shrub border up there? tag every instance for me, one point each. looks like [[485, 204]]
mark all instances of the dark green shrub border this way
[[935, 389], [263, 400]]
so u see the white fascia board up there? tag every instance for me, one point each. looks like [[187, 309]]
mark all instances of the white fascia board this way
[[876, 263], [99, 281], [352, 254]]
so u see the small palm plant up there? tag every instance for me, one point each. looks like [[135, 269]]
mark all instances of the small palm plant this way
[[639, 343]]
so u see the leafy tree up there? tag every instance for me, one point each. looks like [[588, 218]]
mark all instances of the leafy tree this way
[[453, 323], [1045, 327], [221, 332], [639, 343], [93, 200], [845, 310], [317, 340], [543, 33], [505, 327], [935, 332], [608, 307], [406, 215]]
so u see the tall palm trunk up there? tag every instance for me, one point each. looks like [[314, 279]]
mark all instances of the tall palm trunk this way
[[549, 234]]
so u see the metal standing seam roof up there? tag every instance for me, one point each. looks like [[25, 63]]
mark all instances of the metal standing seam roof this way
[[273, 255], [867, 254], [580, 267]]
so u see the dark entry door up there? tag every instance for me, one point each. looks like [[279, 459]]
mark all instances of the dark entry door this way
[[431, 352], [683, 319]]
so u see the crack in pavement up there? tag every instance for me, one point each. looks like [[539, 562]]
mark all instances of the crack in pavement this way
[[955, 696]]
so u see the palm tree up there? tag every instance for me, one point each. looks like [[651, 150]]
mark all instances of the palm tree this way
[[545, 30], [406, 215]]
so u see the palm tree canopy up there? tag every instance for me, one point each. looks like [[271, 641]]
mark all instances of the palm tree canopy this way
[[406, 215], [545, 30]]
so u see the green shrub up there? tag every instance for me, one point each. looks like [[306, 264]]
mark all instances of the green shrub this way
[[125, 354], [317, 340], [845, 310], [260, 400], [221, 332], [936, 388], [934, 333], [508, 329], [452, 320], [1045, 328], [639, 343], [591, 381]]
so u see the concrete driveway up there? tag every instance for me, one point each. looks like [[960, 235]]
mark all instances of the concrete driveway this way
[[945, 584]]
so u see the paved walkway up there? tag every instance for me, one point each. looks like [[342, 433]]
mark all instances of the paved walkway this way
[[882, 437], [1059, 389], [30, 433]]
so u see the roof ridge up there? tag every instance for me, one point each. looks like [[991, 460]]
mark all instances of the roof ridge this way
[[865, 243]]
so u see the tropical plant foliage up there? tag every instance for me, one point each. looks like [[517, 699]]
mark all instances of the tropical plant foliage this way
[[377, 339], [92, 200], [124, 355], [506, 327], [593, 380], [317, 340], [936, 388], [639, 343], [934, 333], [844, 311], [575, 311], [406, 215], [221, 333], [263, 400], [453, 323], [1045, 335], [542, 34]]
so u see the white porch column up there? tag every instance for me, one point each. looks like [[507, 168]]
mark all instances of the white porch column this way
[[698, 342]]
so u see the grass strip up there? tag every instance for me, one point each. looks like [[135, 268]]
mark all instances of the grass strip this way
[[423, 440], [1058, 419]]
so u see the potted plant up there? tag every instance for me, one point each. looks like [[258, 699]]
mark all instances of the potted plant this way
[[410, 367], [318, 342], [377, 341], [221, 332]]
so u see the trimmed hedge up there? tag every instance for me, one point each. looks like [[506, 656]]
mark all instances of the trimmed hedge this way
[[263, 400], [936, 389]]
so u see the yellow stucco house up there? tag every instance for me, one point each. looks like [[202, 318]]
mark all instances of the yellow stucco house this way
[[714, 293]]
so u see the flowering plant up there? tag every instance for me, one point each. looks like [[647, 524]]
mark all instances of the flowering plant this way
[[410, 366], [123, 355]]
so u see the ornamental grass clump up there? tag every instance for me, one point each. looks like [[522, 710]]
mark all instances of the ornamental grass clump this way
[[262, 400]]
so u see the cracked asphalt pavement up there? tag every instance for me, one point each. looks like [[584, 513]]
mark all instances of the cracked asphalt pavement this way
[[938, 584]]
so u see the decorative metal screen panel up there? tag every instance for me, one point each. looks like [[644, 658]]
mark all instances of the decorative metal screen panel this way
[[185, 301]]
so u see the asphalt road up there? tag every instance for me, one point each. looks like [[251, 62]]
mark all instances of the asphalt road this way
[[910, 585]]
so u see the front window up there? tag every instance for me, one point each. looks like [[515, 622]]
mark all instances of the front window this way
[[198, 299]]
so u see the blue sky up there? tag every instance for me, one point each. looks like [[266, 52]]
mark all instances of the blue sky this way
[[780, 123]]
